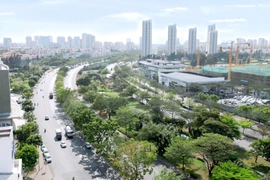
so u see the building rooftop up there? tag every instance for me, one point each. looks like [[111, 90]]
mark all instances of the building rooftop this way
[[3, 66], [193, 78]]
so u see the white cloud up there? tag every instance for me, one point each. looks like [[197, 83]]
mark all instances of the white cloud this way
[[128, 16], [248, 5], [228, 20], [177, 9], [52, 2], [6, 13], [208, 9]]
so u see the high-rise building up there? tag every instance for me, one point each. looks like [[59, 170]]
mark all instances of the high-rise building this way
[[177, 44], [5, 106], [7, 43], [87, 40], [108, 45], [213, 36], [146, 38], [261, 43], [192, 37], [172, 36], [119, 46], [130, 46], [210, 28], [28, 41], [61, 40], [77, 42], [70, 42], [97, 45]]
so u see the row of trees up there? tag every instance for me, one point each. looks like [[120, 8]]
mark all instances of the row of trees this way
[[258, 113], [27, 135]]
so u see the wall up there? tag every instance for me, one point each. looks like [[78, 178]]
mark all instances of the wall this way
[[6, 163], [5, 107]]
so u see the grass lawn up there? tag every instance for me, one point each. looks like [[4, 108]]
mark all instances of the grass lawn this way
[[198, 169]]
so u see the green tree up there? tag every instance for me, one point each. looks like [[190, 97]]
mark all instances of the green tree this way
[[166, 175], [25, 131], [100, 103], [261, 114], [29, 155], [180, 152], [34, 139], [125, 118], [64, 94], [90, 96], [245, 124], [159, 134], [156, 106], [99, 131], [202, 97], [245, 109], [130, 90], [172, 107], [135, 159], [229, 170], [113, 104], [214, 149], [29, 116], [31, 82]]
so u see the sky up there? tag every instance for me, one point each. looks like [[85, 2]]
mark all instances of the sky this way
[[117, 20]]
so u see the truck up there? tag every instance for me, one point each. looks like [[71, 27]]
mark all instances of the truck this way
[[69, 132], [51, 96], [58, 134]]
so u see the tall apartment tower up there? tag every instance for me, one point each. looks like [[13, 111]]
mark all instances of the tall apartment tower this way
[[28, 40], [61, 40], [208, 43], [172, 36], [5, 106], [192, 38], [7, 43], [146, 37], [213, 38]]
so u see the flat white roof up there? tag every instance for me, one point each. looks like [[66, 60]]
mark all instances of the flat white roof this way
[[192, 78]]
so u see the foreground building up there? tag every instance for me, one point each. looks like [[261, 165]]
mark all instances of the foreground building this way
[[10, 168]]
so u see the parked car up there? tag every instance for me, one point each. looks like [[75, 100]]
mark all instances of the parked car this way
[[88, 145], [43, 147], [47, 157], [45, 150], [46, 117], [63, 144]]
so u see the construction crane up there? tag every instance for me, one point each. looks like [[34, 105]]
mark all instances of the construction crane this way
[[237, 52], [198, 57], [230, 59]]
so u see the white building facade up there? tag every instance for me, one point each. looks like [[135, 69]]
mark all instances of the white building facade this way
[[172, 37], [146, 38], [192, 38]]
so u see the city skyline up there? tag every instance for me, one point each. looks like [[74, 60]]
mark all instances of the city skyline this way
[[117, 24]]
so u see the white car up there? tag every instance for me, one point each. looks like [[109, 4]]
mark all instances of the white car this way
[[46, 117], [43, 147], [63, 144], [88, 145], [45, 150], [47, 157]]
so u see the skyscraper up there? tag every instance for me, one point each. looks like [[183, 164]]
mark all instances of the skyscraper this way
[[172, 35], [213, 36], [7, 43], [87, 40], [28, 40], [61, 41], [77, 42], [192, 38], [146, 37], [210, 28]]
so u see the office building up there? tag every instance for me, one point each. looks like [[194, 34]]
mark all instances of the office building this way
[[213, 36], [7, 43], [210, 28], [10, 168], [172, 36], [146, 38], [192, 38], [61, 41], [108, 45]]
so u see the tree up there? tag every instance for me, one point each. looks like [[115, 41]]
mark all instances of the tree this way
[[245, 124], [229, 170], [125, 117], [166, 175], [113, 104], [261, 114], [257, 148], [29, 156], [90, 96], [31, 82], [135, 159], [156, 106], [34, 139], [180, 152], [159, 134], [245, 109], [25, 131], [100, 103], [214, 149], [29, 116], [99, 131], [202, 97], [130, 90], [263, 130], [172, 107]]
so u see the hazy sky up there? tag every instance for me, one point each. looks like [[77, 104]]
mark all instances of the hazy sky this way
[[117, 20]]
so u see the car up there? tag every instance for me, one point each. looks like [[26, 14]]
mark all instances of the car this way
[[46, 117], [63, 144], [47, 157], [45, 150], [43, 147], [88, 145]]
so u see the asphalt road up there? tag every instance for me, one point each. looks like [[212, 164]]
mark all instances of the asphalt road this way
[[68, 162]]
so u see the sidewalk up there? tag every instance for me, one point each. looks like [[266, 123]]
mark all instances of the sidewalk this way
[[42, 170]]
